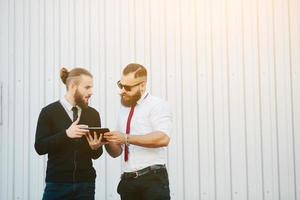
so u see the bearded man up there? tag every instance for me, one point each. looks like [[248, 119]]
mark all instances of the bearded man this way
[[60, 133], [143, 132]]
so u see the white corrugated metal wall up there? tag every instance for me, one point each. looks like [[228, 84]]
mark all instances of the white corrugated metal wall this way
[[229, 68]]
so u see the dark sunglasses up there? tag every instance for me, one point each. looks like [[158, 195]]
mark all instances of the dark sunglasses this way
[[127, 87]]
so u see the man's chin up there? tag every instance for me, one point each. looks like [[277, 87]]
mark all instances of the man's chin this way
[[83, 104], [130, 101], [127, 103], [124, 103]]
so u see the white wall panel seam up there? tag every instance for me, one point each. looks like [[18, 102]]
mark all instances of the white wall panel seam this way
[[181, 89], [292, 99], [12, 116], [260, 97], [197, 90], [244, 99], [213, 98], [228, 107], [276, 100]]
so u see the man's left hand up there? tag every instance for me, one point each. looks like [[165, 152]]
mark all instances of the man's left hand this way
[[94, 142]]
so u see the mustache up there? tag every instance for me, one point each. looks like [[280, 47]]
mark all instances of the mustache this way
[[122, 95]]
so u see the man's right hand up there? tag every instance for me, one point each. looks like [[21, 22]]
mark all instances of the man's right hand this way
[[115, 137], [76, 130]]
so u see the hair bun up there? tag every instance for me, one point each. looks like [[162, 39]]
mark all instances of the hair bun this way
[[64, 73]]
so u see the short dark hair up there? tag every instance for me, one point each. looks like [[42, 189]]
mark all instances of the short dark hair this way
[[138, 70]]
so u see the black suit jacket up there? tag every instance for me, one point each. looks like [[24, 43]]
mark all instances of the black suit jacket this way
[[69, 160]]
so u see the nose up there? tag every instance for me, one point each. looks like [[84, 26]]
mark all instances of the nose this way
[[122, 91]]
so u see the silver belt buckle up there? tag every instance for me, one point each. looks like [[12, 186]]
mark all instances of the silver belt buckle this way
[[136, 175]]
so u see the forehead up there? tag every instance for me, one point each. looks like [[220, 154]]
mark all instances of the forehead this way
[[86, 80], [129, 79]]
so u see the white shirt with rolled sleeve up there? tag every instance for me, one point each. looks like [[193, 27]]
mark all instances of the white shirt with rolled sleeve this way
[[150, 114]]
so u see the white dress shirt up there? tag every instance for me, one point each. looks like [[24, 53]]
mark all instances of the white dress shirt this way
[[150, 114], [68, 107]]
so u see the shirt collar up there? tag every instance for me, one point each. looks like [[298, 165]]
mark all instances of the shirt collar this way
[[142, 98], [67, 104]]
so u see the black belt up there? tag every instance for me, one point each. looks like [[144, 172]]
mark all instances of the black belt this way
[[148, 170]]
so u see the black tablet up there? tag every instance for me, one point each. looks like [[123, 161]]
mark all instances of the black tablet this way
[[98, 131]]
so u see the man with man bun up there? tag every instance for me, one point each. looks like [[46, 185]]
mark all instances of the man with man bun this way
[[70, 148]]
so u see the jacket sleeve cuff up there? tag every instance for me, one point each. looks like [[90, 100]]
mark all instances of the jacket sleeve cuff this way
[[96, 153]]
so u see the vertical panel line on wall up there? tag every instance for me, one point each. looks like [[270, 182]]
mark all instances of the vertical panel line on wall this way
[[292, 95], [228, 97], [197, 89], [90, 36], [1, 103], [260, 100], [44, 64], [44, 52], [166, 59], [14, 91], [135, 31], [59, 40], [145, 39], [74, 17], [276, 100], [213, 99], [23, 94], [29, 95], [181, 81], [120, 36], [150, 42], [105, 72], [244, 99], [54, 49], [165, 50]]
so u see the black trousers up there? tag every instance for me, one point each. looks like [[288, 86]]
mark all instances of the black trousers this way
[[153, 186]]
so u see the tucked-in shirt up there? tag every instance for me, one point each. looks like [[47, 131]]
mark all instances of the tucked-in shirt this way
[[150, 114], [68, 107]]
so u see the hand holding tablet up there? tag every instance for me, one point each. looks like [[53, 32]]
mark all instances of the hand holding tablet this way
[[98, 130]]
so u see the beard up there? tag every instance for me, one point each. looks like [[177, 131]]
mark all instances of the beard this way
[[79, 100], [131, 100]]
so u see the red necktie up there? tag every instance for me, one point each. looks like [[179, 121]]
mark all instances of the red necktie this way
[[128, 131]]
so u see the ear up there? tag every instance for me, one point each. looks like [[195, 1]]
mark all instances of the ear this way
[[72, 86], [143, 86]]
